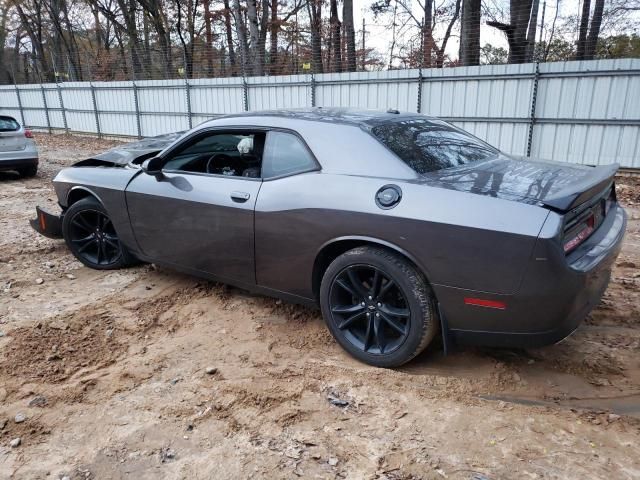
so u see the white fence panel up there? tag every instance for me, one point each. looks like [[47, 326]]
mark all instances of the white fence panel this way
[[9, 104], [589, 112], [581, 112], [273, 93]]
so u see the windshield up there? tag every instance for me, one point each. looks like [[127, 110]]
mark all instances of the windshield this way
[[427, 145], [8, 124]]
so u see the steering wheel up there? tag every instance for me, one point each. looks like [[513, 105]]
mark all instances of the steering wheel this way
[[216, 156]]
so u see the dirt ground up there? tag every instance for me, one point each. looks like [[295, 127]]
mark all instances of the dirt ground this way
[[145, 373]]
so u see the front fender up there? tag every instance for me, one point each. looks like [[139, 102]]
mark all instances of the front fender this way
[[107, 185]]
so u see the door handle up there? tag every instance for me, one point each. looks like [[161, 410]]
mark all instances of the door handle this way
[[240, 196]]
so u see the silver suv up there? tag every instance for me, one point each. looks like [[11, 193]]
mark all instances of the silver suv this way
[[18, 150]]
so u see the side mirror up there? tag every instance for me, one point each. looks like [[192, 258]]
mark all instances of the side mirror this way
[[153, 166]]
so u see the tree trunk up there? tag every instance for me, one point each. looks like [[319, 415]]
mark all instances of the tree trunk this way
[[427, 34], [208, 36], [470, 33], [315, 14], [531, 32], [261, 50], [594, 31], [335, 41], [349, 34], [4, 74], [241, 32], [275, 28], [254, 35], [583, 30], [229, 32], [519, 34]]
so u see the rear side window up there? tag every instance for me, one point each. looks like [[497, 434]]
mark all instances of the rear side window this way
[[8, 124], [428, 145], [284, 154]]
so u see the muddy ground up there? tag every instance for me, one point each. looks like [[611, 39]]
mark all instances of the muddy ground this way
[[110, 371]]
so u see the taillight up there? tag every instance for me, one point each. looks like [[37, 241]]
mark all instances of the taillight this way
[[579, 233], [28, 133]]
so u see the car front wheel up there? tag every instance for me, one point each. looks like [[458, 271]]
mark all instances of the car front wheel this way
[[378, 306], [92, 238]]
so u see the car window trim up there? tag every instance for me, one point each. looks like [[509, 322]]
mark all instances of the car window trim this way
[[238, 128]]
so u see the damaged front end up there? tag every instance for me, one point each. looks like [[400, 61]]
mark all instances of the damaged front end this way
[[47, 224]]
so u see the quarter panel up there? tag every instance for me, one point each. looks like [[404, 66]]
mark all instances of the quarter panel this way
[[459, 239]]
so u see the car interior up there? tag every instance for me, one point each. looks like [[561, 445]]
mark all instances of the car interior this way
[[229, 154]]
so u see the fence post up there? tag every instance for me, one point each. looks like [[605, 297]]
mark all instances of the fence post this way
[[137, 105], [187, 88], [245, 94], [64, 112], [56, 74], [95, 108], [46, 107], [419, 108], [313, 90], [188, 94], [534, 98], [19, 102]]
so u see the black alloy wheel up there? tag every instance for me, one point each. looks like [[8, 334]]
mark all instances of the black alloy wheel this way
[[378, 306], [95, 238], [92, 237], [370, 309]]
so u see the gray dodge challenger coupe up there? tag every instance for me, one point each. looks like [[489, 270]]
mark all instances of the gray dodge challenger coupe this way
[[398, 225]]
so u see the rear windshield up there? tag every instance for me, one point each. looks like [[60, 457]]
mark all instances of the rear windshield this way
[[8, 124], [427, 145]]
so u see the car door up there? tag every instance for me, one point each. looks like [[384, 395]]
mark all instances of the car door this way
[[196, 218]]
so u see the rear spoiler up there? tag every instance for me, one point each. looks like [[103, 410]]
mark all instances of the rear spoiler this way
[[600, 179]]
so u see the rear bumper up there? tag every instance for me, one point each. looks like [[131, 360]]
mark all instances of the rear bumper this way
[[556, 295], [15, 163], [47, 224]]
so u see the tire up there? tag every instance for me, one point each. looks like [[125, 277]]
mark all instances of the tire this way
[[386, 321], [28, 171], [91, 237]]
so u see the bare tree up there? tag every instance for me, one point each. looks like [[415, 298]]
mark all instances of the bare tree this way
[[589, 31]]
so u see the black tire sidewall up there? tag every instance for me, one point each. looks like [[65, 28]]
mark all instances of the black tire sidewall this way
[[88, 203], [28, 171], [414, 288]]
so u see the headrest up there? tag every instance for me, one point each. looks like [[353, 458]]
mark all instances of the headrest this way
[[245, 145]]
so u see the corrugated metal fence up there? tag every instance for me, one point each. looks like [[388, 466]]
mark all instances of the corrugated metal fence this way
[[583, 112]]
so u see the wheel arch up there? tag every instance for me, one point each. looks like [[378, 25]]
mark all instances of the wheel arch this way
[[332, 249], [78, 193]]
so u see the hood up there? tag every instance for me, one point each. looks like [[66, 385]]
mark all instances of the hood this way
[[557, 185], [135, 152]]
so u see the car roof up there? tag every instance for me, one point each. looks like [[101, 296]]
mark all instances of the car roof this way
[[346, 116]]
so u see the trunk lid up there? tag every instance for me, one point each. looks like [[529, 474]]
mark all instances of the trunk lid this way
[[556, 185], [12, 137]]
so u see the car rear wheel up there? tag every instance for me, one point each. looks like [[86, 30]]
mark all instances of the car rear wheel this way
[[378, 306], [28, 171], [92, 238]]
